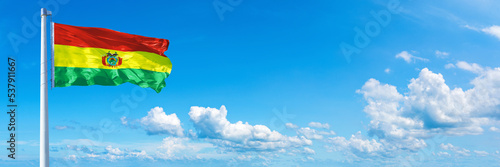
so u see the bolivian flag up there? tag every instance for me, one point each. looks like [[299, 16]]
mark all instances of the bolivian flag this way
[[86, 56]]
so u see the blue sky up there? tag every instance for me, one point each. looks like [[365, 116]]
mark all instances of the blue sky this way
[[420, 87]]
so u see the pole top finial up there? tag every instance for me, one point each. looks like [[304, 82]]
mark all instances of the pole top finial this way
[[45, 12]]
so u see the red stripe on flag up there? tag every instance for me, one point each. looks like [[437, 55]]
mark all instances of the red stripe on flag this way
[[107, 39]]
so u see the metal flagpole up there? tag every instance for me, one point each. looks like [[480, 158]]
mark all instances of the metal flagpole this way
[[52, 53], [44, 120]]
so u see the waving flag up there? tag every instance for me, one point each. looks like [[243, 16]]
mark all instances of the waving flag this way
[[86, 56]]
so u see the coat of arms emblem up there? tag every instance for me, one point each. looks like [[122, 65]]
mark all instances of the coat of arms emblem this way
[[111, 60]]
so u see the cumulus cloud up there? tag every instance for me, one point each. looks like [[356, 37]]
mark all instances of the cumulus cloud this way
[[441, 54], [493, 30], [357, 145], [212, 124], [409, 57], [494, 129], [157, 122], [472, 67], [319, 125], [72, 158], [170, 148], [114, 154], [387, 70], [172, 145], [313, 134], [291, 126], [448, 146], [431, 107], [449, 65], [127, 122], [124, 120], [308, 150], [305, 150], [108, 153], [180, 147], [481, 153], [140, 154], [113, 151], [457, 150], [443, 154]]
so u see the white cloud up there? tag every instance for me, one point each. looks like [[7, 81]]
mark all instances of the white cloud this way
[[131, 124], [481, 153], [172, 145], [180, 147], [319, 125], [430, 107], [387, 70], [361, 147], [313, 134], [92, 155], [114, 151], [305, 150], [124, 120], [471, 27], [448, 146], [449, 65], [141, 155], [409, 57], [213, 125], [357, 145], [443, 154], [441, 54], [457, 150], [192, 134], [170, 148], [157, 122], [72, 158], [113, 154], [494, 129], [214, 137], [291, 126], [405, 56], [493, 30], [475, 68], [325, 133], [308, 150]]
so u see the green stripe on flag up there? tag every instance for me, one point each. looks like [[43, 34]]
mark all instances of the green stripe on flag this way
[[72, 76]]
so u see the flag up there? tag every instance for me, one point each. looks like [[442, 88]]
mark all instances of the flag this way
[[86, 56]]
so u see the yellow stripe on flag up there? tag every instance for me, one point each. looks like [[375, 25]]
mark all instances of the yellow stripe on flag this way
[[73, 56]]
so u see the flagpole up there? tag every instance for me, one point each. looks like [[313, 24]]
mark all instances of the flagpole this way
[[44, 120]]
